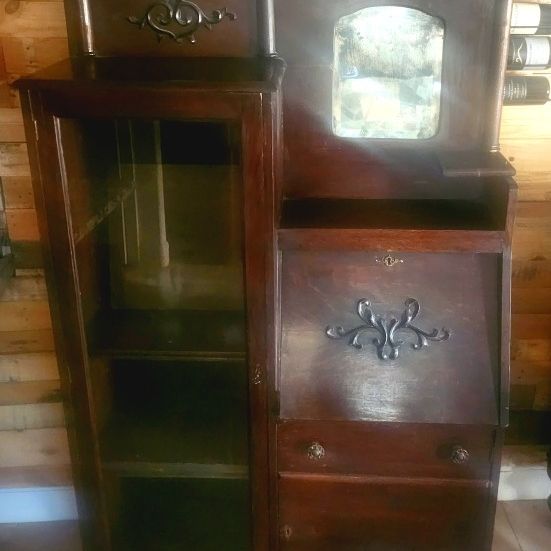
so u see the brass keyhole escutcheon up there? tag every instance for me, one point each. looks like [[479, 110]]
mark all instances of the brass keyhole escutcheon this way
[[389, 260], [286, 532]]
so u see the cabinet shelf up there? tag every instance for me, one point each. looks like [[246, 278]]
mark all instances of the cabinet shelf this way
[[175, 420], [142, 469], [190, 334], [417, 214], [216, 449]]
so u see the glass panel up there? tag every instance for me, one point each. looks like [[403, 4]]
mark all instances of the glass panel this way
[[387, 74], [156, 215]]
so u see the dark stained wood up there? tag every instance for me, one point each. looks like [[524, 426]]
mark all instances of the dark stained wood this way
[[349, 513], [175, 419], [317, 215], [233, 74], [214, 515], [473, 42], [186, 334], [422, 241], [389, 213], [78, 291], [103, 29], [385, 449], [323, 378]]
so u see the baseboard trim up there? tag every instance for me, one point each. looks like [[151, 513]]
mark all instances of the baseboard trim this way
[[18, 505]]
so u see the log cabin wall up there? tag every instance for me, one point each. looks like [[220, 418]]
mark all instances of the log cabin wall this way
[[33, 440], [526, 142]]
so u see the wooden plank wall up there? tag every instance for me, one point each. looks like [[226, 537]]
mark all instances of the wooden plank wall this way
[[33, 441], [526, 141]]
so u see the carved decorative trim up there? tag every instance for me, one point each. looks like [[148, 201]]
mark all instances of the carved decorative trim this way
[[386, 343], [179, 19]]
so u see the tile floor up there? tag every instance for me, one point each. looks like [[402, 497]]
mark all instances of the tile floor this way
[[522, 526]]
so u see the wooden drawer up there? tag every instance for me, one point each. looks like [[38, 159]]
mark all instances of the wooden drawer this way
[[344, 358], [389, 449], [320, 513]]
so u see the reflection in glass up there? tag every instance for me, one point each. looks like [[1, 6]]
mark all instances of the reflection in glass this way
[[387, 74]]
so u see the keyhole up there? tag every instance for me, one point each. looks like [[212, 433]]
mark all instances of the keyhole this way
[[287, 532]]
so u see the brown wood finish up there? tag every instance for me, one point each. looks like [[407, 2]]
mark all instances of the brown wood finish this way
[[324, 378], [320, 214], [102, 28], [324, 513], [385, 449], [56, 96], [316, 159]]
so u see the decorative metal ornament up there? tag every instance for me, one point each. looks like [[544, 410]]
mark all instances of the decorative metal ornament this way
[[257, 376], [386, 343], [179, 19], [389, 260], [460, 455], [315, 451]]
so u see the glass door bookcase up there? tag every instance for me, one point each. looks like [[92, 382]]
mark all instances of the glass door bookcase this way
[[150, 198]]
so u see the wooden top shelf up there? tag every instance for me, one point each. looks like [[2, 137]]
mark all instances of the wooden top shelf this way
[[227, 74]]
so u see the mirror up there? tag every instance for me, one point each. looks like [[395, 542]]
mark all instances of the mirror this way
[[387, 74]]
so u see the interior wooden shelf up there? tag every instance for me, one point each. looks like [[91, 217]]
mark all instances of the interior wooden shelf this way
[[191, 449], [175, 419], [419, 214], [190, 334]]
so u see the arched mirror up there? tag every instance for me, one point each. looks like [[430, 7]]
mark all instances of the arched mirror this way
[[387, 74]]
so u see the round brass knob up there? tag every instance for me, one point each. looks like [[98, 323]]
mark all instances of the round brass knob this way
[[459, 455], [315, 451]]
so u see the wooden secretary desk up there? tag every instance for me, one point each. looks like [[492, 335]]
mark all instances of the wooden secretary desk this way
[[281, 303]]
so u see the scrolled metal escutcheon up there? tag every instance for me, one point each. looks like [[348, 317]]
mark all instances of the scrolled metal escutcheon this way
[[179, 19], [389, 260], [459, 455], [315, 451], [387, 327]]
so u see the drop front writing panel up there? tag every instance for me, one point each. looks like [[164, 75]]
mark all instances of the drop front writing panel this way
[[416, 341]]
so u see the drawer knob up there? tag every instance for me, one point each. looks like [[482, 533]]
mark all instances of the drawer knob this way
[[460, 455], [315, 451]]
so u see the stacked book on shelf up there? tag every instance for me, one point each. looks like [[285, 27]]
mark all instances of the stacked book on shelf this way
[[529, 50]]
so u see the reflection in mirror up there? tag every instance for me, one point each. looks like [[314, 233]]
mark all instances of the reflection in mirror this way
[[387, 74]]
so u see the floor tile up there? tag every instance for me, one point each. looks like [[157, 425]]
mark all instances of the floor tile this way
[[40, 536], [504, 537], [531, 523]]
